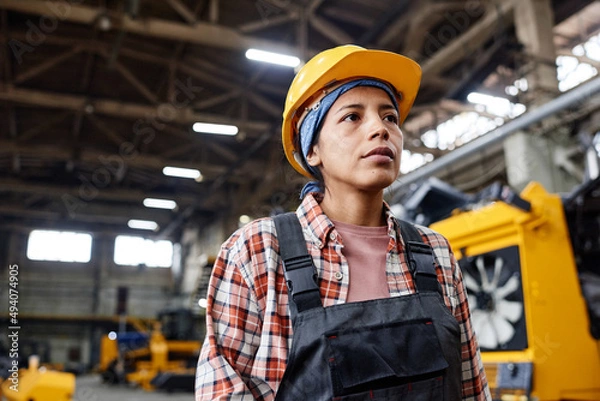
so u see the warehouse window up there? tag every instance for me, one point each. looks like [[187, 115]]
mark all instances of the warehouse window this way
[[134, 251], [60, 246]]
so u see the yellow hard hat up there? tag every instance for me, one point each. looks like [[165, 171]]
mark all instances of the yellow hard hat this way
[[344, 63]]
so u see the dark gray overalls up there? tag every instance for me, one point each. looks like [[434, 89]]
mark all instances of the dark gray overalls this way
[[400, 348]]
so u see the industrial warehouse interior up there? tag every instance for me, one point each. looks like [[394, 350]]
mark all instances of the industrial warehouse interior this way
[[137, 135]]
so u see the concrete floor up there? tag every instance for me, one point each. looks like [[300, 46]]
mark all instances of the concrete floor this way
[[91, 388]]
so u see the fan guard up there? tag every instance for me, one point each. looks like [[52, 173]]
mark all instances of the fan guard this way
[[495, 294]]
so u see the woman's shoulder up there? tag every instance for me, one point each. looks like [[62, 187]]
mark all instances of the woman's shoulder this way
[[439, 244], [256, 236], [433, 238], [252, 251]]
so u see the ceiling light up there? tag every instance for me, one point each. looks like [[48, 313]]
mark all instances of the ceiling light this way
[[273, 58], [104, 23], [160, 203], [142, 224], [183, 173], [203, 303], [219, 129]]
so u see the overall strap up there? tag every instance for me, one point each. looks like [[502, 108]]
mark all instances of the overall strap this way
[[299, 269], [420, 258]]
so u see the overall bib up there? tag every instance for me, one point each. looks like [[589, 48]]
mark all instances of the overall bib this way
[[400, 348]]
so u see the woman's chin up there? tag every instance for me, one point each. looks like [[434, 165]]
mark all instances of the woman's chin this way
[[378, 182]]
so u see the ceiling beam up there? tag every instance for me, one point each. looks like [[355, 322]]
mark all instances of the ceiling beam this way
[[455, 107], [89, 213], [114, 160], [264, 23], [265, 105], [109, 133], [426, 16], [135, 82], [471, 40], [345, 15], [46, 65], [183, 11], [128, 111], [387, 17], [209, 72], [217, 99], [6, 64], [12, 122], [198, 141], [44, 126], [394, 35], [213, 11], [329, 30], [116, 195], [179, 150], [30, 213], [200, 33]]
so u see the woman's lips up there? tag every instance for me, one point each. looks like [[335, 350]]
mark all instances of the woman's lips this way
[[381, 154]]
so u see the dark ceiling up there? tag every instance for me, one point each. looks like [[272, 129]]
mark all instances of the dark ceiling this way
[[97, 96]]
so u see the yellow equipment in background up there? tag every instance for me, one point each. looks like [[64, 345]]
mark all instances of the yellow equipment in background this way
[[147, 373], [158, 361], [39, 384], [526, 299]]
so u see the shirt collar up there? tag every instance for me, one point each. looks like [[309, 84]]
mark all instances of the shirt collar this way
[[311, 217], [319, 226]]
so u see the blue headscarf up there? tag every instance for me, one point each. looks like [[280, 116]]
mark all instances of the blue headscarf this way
[[311, 124]]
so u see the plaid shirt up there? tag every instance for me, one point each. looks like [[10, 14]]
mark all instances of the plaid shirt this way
[[249, 332]]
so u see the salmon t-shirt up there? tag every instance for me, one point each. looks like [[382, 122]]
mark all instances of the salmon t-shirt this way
[[365, 248]]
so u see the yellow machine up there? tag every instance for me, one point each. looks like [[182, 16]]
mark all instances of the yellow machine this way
[[38, 384], [163, 360], [525, 294], [153, 373]]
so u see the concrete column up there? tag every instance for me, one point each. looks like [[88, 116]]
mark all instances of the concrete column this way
[[530, 156], [534, 21], [102, 255]]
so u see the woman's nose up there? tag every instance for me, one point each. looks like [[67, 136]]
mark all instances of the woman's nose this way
[[378, 129]]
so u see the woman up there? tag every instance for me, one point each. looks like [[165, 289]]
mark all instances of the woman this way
[[378, 310]]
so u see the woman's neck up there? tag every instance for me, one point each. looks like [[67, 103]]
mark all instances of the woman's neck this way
[[359, 208]]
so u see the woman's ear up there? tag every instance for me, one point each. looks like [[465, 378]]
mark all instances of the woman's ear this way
[[313, 159]]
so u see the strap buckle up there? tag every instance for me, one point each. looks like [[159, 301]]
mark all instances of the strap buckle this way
[[300, 275], [423, 267]]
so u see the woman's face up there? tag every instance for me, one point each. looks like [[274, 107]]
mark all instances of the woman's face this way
[[360, 143]]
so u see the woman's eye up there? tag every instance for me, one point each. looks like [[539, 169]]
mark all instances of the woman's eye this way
[[351, 117], [391, 118]]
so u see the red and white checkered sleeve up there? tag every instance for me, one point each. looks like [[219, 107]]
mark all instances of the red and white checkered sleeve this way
[[233, 327], [474, 381]]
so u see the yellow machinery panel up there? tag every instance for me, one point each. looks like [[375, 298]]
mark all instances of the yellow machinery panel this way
[[40, 385], [526, 302]]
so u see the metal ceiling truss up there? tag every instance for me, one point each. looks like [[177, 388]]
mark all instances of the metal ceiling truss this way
[[191, 86]]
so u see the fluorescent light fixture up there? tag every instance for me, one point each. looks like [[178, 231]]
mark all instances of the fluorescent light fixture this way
[[160, 203], [219, 129], [273, 58], [183, 173], [142, 224]]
